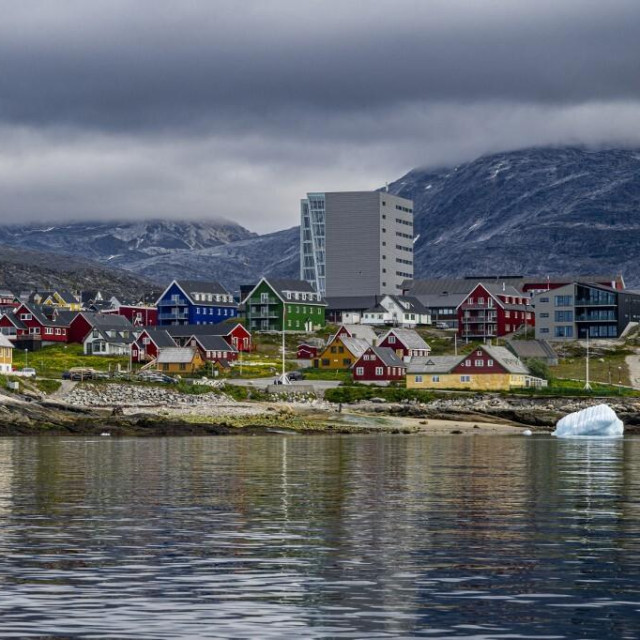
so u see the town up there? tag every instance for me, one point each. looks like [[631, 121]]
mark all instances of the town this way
[[356, 315]]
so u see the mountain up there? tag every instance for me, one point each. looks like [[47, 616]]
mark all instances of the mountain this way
[[123, 244], [26, 270], [533, 211]]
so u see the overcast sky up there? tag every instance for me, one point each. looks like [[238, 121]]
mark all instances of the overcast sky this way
[[208, 108]]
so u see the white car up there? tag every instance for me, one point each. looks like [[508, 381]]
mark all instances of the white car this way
[[27, 372]]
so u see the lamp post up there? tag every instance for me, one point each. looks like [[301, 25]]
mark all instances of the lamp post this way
[[587, 385], [284, 328], [26, 358]]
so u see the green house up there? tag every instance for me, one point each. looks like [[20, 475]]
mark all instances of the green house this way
[[269, 300]]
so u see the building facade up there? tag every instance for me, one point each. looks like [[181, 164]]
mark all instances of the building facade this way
[[275, 304], [356, 241], [580, 310], [195, 302]]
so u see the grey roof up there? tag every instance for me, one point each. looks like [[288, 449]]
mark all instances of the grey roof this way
[[119, 338], [508, 360], [283, 285], [5, 342], [378, 308], [107, 321], [213, 343], [500, 290], [409, 338], [176, 355], [160, 337], [389, 357], [38, 313], [411, 304], [439, 301], [188, 330], [65, 317], [200, 286], [532, 349], [355, 346], [67, 296], [362, 331], [433, 364], [13, 318]]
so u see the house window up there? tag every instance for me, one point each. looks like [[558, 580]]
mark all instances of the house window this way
[[346, 362], [26, 316], [435, 378], [563, 301], [392, 339], [359, 371], [544, 299], [325, 362], [183, 366], [479, 363], [465, 378], [418, 378], [544, 330], [379, 371], [489, 363], [264, 297]]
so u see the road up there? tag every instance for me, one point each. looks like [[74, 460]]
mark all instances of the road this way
[[263, 383]]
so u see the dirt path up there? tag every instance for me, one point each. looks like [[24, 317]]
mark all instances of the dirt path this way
[[65, 389], [633, 362]]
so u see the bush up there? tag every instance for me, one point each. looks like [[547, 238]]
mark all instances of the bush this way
[[355, 392], [539, 368]]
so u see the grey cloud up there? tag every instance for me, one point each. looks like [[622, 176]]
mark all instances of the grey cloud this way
[[235, 109]]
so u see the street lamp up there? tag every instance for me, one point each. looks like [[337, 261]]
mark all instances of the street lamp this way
[[26, 358]]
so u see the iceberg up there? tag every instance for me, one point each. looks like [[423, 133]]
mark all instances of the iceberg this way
[[600, 421]]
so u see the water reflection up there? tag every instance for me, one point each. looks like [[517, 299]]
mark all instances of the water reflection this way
[[374, 536]]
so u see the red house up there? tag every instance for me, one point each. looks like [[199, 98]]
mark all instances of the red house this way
[[148, 344], [379, 364], [490, 311], [86, 321], [137, 315], [236, 335], [36, 324], [307, 352], [406, 343], [213, 348]]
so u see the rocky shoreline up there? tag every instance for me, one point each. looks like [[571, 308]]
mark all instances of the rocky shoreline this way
[[128, 410]]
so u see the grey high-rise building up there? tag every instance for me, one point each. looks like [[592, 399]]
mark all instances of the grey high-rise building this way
[[356, 242]]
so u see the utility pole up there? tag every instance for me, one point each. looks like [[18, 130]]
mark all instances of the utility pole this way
[[587, 385], [284, 328]]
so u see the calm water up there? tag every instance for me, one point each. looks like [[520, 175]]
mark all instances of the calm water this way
[[316, 537]]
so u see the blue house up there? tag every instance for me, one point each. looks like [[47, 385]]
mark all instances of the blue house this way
[[195, 302]]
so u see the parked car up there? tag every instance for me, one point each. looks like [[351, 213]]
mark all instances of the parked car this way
[[80, 373], [28, 372], [295, 375], [442, 325]]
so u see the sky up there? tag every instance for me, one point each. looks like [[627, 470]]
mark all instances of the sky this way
[[205, 109]]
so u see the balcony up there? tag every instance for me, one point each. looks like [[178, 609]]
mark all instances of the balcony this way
[[181, 315], [582, 318], [478, 319], [476, 305], [591, 303], [173, 303]]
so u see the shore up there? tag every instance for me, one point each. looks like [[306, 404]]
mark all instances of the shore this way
[[127, 410]]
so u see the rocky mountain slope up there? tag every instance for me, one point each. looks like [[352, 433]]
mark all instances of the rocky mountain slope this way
[[533, 211], [22, 269]]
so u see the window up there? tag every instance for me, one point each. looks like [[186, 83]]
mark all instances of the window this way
[[563, 301], [563, 316], [564, 332], [465, 378], [379, 371], [264, 297], [544, 299], [544, 330], [26, 316], [418, 378], [435, 378], [489, 363], [346, 362], [392, 339], [325, 362], [359, 371], [183, 366], [544, 315], [479, 363]]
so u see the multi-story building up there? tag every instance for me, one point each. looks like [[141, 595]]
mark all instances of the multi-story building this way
[[491, 311], [579, 309], [195, 302], [356, 241], [293, 304], [6, 354]]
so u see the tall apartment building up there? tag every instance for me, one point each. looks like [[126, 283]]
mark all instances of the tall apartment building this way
[[356, 242]]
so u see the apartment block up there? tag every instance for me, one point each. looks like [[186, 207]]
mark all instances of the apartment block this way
[[356, 242]]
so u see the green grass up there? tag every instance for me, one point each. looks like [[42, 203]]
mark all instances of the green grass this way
[[46, 386], [604, 368], [341, 375], [51, 361], [355, 392]]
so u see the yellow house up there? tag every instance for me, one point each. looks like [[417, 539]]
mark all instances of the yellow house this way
[[6, 354], [61, 299], [179, 360], [341, 352], [487, 368]]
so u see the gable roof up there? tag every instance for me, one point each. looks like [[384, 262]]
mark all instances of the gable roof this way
[[350, 303], [532, 349], [281, 286], [354, 346], [212, 343], [362, 331], [107, 321], [388, 356], [408, 337], [191, 287], [5, 342], [160, 337], [188, 330], [508, 360], [409, 304], [176, 355], [66, 296], [434, 364]]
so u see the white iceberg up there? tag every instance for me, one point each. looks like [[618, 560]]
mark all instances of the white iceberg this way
[[600, 421]]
